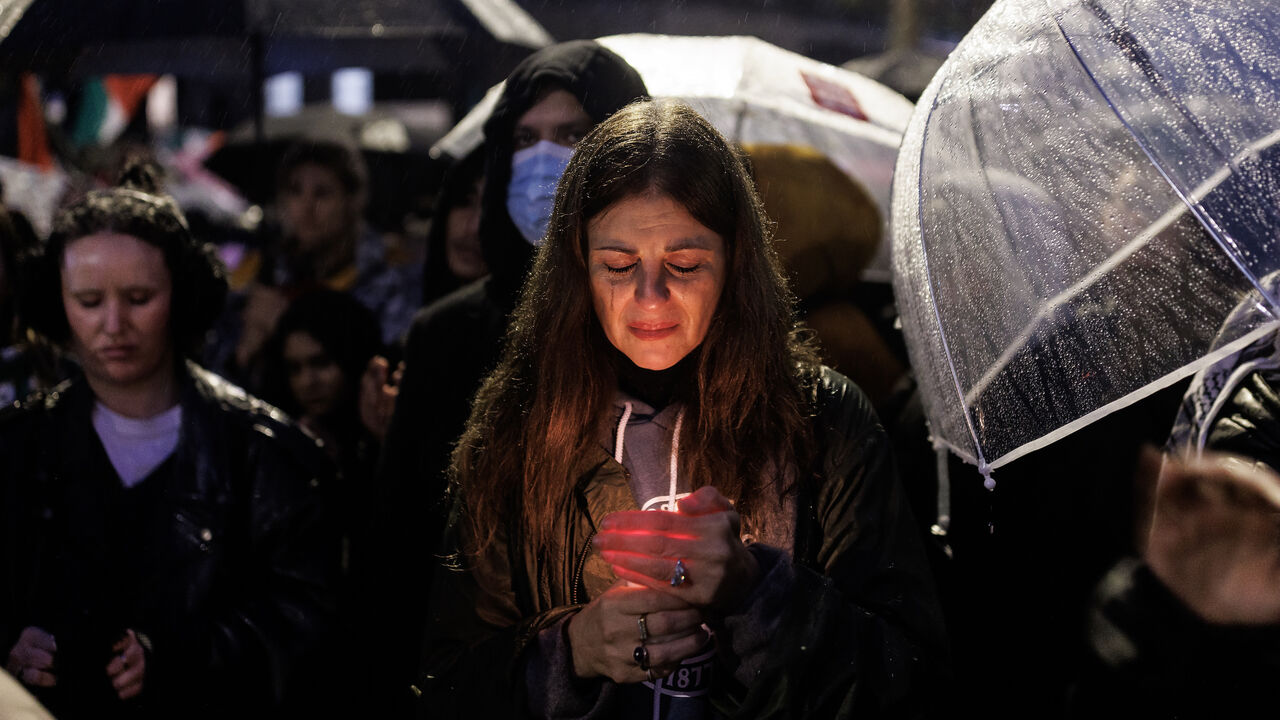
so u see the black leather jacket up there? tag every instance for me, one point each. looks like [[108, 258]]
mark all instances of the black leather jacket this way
[[858, 629], [242, 561]]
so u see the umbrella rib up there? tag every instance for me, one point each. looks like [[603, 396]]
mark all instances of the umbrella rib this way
[[937, 316], [1220, 236], [1190, 201], [1129, 46]]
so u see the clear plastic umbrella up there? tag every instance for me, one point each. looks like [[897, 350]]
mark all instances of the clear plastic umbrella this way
[[756, 92], [1085, 191]]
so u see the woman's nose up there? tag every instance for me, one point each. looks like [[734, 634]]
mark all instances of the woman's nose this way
[[651, 284], [114, 321]]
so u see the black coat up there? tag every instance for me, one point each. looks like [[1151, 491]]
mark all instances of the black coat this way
[[237, 583]]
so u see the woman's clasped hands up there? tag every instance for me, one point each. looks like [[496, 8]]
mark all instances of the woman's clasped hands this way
[[695, 554], [673, 569]]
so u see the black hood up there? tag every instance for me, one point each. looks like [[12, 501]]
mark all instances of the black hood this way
[[601, 80], [437, 279]]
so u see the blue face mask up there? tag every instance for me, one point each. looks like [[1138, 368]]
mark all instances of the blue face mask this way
[[535, 171]]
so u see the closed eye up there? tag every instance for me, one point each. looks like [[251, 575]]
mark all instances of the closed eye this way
[[684, 269], [620, 270], [88, 300]]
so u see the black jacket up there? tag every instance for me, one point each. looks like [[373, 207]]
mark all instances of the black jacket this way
[[858, 634], [456, 341], [238, 581]]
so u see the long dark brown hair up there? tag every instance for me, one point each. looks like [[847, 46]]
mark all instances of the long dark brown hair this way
[[540, 410]]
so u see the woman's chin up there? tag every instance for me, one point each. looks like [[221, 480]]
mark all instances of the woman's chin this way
[[654, 360], [124, 375]]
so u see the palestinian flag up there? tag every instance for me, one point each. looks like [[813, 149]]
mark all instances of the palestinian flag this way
[[107, 104]]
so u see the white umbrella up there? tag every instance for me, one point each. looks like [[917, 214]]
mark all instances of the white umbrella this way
[[755, 92], [34, 191]]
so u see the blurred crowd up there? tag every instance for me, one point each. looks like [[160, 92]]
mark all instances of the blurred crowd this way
[[326, 468]]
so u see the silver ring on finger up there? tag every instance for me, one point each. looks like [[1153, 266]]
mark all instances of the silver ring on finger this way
[[644, 628]]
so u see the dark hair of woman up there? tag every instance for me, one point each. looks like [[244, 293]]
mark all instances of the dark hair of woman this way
[[543, 405], [138, 208]]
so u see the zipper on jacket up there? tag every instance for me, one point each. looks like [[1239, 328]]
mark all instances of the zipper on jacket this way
[[580, 568], [581, 565]]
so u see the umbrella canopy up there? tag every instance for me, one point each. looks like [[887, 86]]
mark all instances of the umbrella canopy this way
[[208, 38], [755, 92], [236, 44], [1086, 189]]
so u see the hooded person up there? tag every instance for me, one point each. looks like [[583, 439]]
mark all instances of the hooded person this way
[[454, 257], [550, 101]]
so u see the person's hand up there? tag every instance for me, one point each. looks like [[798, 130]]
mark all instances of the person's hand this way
[[604, 634], [1215, 537], [379, 388], [31, 659], [644, 546], [262, 310], [128, 667]]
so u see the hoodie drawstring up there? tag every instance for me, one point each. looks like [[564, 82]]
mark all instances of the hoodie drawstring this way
[[618, 445], [675, 449], [675, 452], [622, 429]]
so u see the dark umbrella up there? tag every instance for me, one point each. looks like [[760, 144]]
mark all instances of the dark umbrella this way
[[243, 41]]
